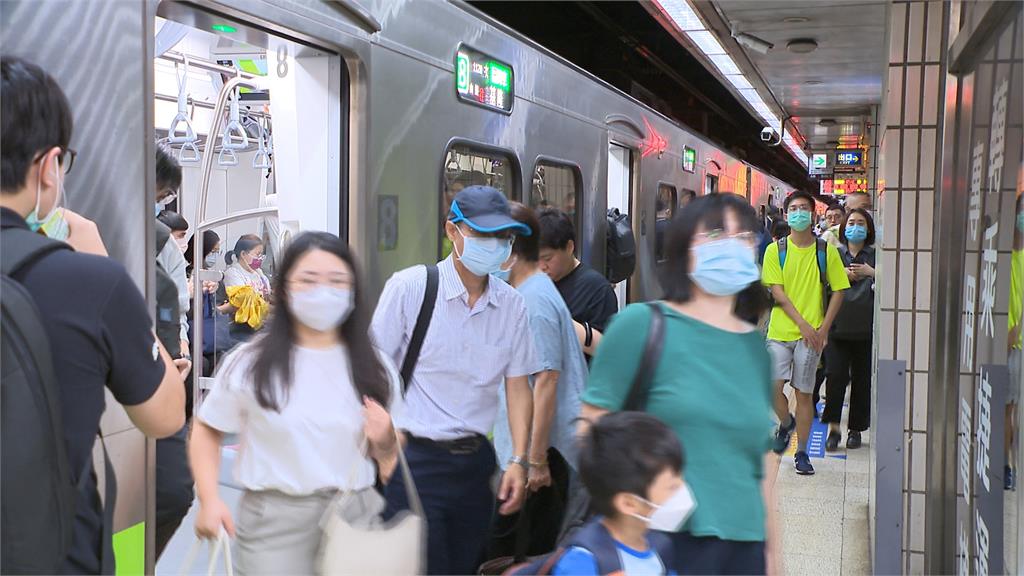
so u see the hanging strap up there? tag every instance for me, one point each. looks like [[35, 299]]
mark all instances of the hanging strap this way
[[637, 398], [412, 355]]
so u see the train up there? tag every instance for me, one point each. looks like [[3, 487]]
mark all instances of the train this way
[[359, 117]]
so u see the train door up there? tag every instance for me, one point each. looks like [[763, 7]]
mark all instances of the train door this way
[[620, 195], [256, 123]]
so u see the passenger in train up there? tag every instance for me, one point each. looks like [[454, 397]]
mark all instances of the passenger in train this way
[[100, 332], [801, 319], [586, 292], [307, 397], [631, 464], [478, 335], [214, 340], [663, 213], [779, 230], [686, 196], [178, 225], [711, 359], [247, 287], [849, 345], [169, 254], [1015, 342], [556, 398]]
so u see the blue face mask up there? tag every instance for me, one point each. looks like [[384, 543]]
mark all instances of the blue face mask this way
[[856, 233], [506, 274], [483, 256], [799, 220], [724, 267]]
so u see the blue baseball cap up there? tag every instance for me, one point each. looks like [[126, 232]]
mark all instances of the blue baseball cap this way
[[486, 210]]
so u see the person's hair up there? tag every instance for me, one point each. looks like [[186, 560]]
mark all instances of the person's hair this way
[[864, 195], [708, 212], [835, 206], [272, 369], [687, 193], [176, 222], [797, 195], [210, 239], [168, 171], [780, 229], [556, 229], [526, 247], [660, 204], [626, 452], [35, 116], [245, 243], [870, 240]]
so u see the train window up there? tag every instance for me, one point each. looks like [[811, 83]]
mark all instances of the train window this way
[[710, 184], [665, 208], [556, 185], [464, 166]]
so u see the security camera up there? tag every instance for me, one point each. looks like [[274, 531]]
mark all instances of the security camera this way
[[768, 134]]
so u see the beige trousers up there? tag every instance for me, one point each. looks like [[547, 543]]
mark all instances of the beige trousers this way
[[280, 534]]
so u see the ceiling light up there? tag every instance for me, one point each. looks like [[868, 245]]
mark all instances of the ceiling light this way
[[680, 12], [706, 41], [814, 82], [796, 19], [724, 64], [739, 82], [802, 46], [753, 42], [224, 28], [827, 122]]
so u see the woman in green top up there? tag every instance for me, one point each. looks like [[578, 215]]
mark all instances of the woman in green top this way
[[712, 385]]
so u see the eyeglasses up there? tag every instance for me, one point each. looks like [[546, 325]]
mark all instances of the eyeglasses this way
[[719, 234], [311, 282], [66, 159]]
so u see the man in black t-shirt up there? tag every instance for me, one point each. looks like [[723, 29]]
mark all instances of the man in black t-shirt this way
[[97, 321], [588, 294]]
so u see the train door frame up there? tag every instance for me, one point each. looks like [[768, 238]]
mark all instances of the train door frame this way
[[631, 167]]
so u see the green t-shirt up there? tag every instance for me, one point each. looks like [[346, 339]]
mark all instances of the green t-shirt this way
[[802, 282], [1016, 295], [713, 388]]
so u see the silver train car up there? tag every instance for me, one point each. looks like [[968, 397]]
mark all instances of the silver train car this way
[[359, 117]]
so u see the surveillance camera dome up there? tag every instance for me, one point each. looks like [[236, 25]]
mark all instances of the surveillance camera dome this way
[[767, 134]]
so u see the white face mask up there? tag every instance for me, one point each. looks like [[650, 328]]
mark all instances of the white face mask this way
[[323, 308], [670, 515], [182, 244]]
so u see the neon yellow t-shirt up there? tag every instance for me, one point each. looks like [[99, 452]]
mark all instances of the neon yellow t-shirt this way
[[802, 284], [1016, 294]]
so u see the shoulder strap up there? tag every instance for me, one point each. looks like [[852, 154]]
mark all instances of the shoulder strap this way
[[412, 355], [21, 247], [662, 545], [163, 234], [781, 242], [594, 538], [637, 398], [822, 250]]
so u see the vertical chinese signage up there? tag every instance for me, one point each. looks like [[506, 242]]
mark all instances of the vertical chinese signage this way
[[989, 155]]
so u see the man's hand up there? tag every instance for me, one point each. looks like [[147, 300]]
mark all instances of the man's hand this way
[[513, 489], [811, 336], [184, 366], [83, 235]]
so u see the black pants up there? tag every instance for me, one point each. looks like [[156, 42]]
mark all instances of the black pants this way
[[849, 363], [819, 378], [710, 555], [173, 487], [544, 510], [457, 498]]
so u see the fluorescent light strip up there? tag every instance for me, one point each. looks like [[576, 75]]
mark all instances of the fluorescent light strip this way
[[707, 42], [682, 14], [740, 82], [724, 64]]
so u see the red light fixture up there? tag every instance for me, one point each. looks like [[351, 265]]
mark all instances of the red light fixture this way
[[654, 143]]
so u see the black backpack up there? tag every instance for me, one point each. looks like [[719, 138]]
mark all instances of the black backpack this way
[[38, 497], [620, 258], [168, 314]]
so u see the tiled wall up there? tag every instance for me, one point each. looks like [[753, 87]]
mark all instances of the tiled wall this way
[[911, 124]]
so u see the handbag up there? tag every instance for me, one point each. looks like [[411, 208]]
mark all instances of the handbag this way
[[215, 547], [395, 547]]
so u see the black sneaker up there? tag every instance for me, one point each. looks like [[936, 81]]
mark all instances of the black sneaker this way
[[832, 442], [803, 464], [782, 436], [853, 440], [1009, 478]]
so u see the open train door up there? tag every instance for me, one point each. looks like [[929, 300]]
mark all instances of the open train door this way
[[620, 196]]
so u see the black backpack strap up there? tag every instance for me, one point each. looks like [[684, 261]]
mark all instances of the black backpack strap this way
[[637, 398], [21, 247], [821, 256], [595, 538], [412, 355]]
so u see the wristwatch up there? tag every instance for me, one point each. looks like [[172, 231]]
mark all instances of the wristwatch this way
[[589, 339], [520, 460]]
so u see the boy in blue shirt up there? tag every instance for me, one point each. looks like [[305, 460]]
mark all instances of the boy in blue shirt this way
[[631, 463]]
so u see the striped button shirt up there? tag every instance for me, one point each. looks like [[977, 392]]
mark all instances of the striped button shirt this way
[[466, 353]]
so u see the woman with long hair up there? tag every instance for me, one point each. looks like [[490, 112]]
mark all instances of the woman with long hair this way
[[309, 399], [849, 346], [712, 385]]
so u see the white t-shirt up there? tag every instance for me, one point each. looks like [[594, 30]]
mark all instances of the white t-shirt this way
[[235, 275], [314, 442]]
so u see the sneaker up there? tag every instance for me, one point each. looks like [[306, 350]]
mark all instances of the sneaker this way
[[853, 440], [1009, 478], [832, 442], [803, 464], [783, 435]]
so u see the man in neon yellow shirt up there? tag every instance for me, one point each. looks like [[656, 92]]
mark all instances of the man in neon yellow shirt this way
[[799, 325], [1015, 342]]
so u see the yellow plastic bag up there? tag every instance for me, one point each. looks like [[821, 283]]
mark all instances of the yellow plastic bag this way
[[250, 307]]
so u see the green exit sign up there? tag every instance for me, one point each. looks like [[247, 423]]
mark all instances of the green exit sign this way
[[689, 159]]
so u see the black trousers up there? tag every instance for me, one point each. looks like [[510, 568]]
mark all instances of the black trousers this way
[[710, 555], [544, 510], [173, 487], [849, 364]]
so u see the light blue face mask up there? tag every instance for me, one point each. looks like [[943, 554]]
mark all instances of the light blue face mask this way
[[724, 267], [856, 233], [506, 274], [799, 220], [54, 224], [483, 256]]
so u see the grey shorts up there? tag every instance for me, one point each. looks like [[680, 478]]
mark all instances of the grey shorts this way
[[796, 362]]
